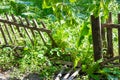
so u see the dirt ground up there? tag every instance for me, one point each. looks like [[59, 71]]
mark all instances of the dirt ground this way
[[31, 76]]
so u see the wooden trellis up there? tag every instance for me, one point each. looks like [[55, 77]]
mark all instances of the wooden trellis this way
[[103, 38], [17, 31]]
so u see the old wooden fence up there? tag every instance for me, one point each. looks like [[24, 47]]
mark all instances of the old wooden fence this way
[[17, 32], [102, 34]]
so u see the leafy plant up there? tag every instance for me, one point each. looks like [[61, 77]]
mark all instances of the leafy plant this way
[[7, 58]]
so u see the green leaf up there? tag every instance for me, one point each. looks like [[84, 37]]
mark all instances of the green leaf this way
[[44, 5], [26, 48], [76, 62], [40, 56], [83, 32], [28, 14], [111, 77], [4, 7], [72, 1], [96, 77]]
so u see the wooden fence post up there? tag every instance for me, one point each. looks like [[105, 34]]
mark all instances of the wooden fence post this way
[[96, 35], [109, 38], [119, 35]]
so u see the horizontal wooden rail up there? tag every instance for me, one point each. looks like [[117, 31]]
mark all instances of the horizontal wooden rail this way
[[109, 60], [13, 47], [25, 26], [109, 25]]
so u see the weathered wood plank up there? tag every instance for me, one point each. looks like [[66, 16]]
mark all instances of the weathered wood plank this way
[[119, 36], [3, 34], [74, 74], [97, 39], [109, 38], [26, 26], [53, 41], [109, 60], [41, 35], [19, 31], [6, 27], [13, 47], [26, 31], [110, 25], [12, 29], [58, 77], [67, 75]]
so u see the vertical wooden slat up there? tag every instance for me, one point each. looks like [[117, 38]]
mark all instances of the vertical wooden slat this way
[[104, 42], [103, 37], [53, 42], [14, 19], [8, 32], [119, 35], [41, 35], [26, 31], [96, 35], [34, 22], [109, 38], [43, 24], [28, 23], [11, 27], [3, 35]]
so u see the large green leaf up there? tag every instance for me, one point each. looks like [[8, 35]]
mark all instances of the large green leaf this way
[[83, 32]]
